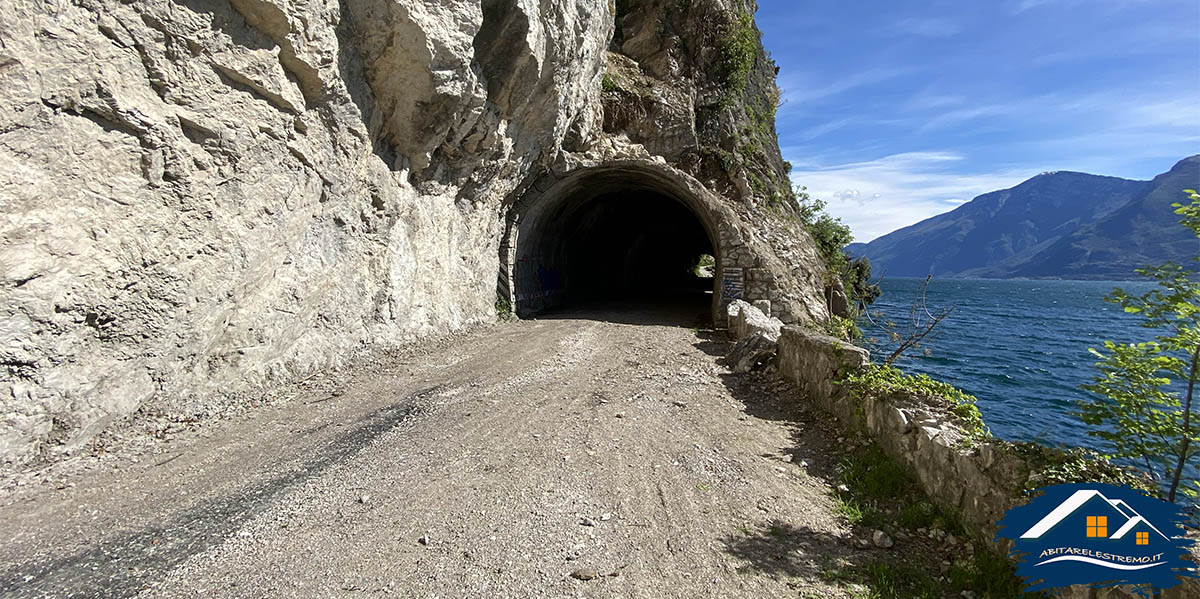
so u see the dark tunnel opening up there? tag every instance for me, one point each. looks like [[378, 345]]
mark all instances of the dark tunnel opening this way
[[632, 246], [622, 251]]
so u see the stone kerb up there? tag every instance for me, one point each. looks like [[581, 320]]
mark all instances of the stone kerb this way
[[813, 362]]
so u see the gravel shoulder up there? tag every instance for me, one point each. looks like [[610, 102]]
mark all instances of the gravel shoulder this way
[[592, 453]]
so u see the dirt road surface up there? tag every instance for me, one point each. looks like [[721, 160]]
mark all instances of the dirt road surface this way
[[588, 454]]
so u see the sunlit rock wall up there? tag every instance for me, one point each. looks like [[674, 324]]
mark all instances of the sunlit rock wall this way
[[201, 197]]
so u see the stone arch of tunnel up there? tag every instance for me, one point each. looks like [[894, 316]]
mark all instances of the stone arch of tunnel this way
[[626, 231]]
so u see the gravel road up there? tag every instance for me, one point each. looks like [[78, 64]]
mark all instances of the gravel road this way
[[595, 453]]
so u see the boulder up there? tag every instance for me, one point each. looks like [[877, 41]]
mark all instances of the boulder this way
[[839, 304], [751, 352], [746, 320]]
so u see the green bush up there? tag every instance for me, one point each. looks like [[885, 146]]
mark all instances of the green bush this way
[[848, 509], [885, 379], [738, 49], [842, 328], [705, 261], [898, 581], [924, 514], [831, 237], [504, 309], [829, 232], [857, 280], [988, 574], [1145, 393], [1054, 466]]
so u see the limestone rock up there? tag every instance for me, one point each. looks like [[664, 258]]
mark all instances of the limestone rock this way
[[839, 304], [763, 305], [746, 320], [756, 336], [200, 200], [750, 352]]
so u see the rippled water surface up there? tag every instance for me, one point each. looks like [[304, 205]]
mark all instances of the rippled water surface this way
[[1021, 347]]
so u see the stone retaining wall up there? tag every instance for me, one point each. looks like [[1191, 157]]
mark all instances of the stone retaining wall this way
[[979, 481]]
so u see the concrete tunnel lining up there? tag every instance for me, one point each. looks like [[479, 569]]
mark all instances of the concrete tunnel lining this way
[[558, 236]]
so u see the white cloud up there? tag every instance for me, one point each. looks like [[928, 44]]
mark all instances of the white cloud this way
[[962, 115], [816, 131], [1025, 5], [883, 195], [934, 101], [1017, 108], [1111, 125], [1099, 113], [1174, 112]]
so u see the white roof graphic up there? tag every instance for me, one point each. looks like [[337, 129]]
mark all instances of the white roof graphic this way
[[1075, 501], [1130, 524], [1122, 507]]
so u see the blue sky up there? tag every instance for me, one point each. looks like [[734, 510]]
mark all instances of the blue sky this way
[[896, 111]]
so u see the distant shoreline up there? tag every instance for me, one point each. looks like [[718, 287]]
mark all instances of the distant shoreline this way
[[1062, 279]]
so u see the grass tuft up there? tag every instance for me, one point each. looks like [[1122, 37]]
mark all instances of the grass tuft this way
[[989, 575], [892, 581], [872, 473]]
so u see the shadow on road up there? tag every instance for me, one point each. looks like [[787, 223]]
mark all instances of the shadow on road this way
[[712, 342], [786, 550], [126, 563], [675, 310], [813, 433]]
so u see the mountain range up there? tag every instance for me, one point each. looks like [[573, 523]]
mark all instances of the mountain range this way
[[1057, 225]]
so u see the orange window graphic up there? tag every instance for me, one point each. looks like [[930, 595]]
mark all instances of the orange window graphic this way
[[1097, 526], [1143, 538]]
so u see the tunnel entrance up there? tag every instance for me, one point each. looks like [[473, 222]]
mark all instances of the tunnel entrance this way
[[616, 244], [629, 245]]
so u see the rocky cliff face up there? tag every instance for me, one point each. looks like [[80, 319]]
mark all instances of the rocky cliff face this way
[[200, 197]]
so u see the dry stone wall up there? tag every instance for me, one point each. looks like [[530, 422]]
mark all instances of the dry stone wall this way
[[978, 480]]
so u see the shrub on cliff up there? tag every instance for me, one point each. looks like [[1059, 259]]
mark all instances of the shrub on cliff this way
[[885, 379], [829, 232], [831, 237], [739, 49]]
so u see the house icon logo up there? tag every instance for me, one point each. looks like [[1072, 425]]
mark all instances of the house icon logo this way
[[1098, 535]]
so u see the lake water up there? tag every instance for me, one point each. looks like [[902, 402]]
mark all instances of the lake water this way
[[1021, 347]]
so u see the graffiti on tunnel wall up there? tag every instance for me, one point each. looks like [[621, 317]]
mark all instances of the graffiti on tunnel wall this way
[[538, 281], [732, 285]]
